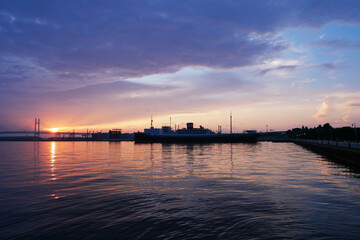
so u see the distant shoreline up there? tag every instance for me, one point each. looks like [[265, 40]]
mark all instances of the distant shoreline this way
[[61, 140]]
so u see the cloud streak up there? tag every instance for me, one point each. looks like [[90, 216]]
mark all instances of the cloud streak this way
[[286, 67], [338, 44]]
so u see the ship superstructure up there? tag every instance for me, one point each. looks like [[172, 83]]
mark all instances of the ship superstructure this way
[[191, 135]]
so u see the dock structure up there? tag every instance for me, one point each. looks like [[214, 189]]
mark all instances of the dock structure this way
[[274, 136]]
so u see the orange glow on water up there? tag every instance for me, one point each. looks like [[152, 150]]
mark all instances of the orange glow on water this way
[[52, 164]]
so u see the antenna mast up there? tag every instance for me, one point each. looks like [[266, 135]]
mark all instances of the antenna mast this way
[[230, 122], [151, 121]]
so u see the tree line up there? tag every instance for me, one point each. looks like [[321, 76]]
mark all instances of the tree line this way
[[325, 132]]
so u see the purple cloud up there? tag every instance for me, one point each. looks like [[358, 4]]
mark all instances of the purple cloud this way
[[150, 37], [338, 44], [328, 66], [136, 39]]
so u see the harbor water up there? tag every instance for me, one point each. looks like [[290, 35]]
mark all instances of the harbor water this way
[[122, 190]]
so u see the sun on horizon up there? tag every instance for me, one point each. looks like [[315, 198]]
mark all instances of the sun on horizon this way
[[54, 130]]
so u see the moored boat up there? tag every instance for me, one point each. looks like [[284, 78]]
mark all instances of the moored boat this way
[[192, 135]]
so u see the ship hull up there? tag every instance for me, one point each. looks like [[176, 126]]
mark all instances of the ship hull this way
[[195, 138]]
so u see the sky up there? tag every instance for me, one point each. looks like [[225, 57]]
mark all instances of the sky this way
[[112, 64]]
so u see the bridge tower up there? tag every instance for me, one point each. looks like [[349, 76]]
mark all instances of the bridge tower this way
[[37, 128]]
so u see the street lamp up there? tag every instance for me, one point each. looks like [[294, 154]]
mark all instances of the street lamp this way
[[354, 125]]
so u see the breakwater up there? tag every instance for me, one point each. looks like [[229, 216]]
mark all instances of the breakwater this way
[[345, 152]]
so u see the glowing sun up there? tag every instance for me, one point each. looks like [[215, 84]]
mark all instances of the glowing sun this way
[[53, 129]]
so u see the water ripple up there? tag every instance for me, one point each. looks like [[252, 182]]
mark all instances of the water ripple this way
[[124, 190]]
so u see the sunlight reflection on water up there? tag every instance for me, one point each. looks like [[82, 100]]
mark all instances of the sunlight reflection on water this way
[[124, 190]]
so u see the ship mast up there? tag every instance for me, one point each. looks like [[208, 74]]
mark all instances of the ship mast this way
[[152, 128]]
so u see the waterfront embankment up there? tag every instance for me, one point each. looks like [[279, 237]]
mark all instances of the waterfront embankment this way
[[346, 152]]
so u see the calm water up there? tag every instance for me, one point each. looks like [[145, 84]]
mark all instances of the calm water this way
[[101, 190]]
